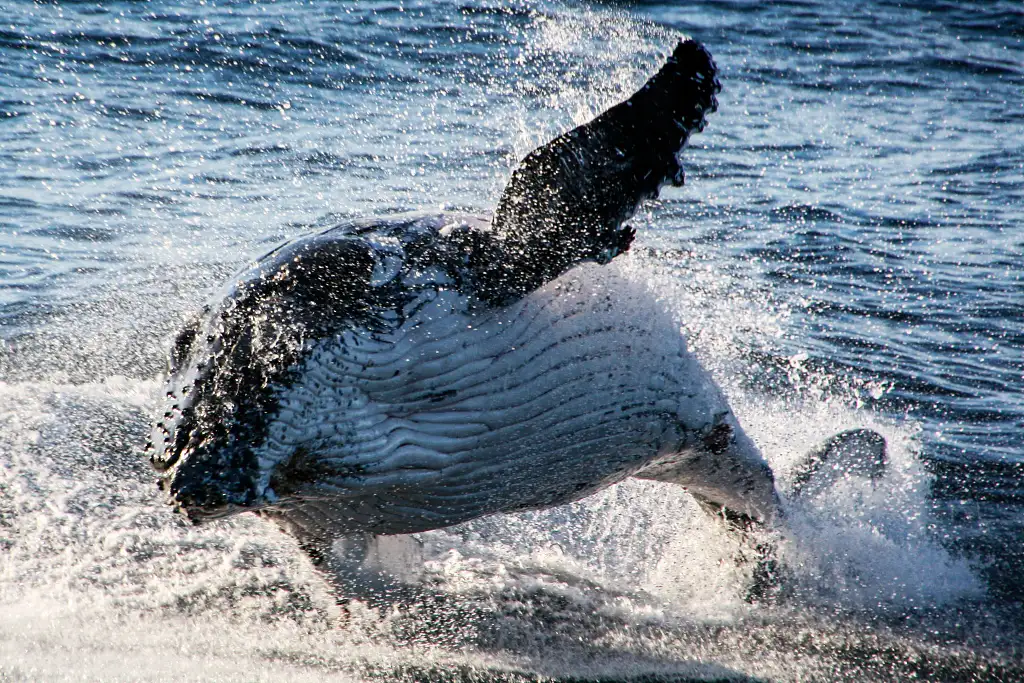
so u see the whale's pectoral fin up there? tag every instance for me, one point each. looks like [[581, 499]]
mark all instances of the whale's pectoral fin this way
[[855, 452], [567, 202]]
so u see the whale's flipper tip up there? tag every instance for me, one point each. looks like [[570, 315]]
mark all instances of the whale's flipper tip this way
[[568, 201], [855, 452]]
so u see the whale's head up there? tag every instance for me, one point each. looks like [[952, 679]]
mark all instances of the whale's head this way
[[202, 441], [229, 366]]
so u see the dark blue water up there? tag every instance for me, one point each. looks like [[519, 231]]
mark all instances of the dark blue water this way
[[848, 250]]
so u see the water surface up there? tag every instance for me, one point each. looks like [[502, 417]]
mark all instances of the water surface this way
[[846, 253]]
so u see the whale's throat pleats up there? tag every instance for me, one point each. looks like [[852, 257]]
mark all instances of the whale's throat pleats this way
[[454, 414]]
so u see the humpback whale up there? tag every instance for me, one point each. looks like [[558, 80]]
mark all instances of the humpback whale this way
[[398, 374]]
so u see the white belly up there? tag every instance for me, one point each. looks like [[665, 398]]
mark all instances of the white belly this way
[[460, 414]]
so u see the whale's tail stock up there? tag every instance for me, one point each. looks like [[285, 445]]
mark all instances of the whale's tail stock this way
[[727, 476]]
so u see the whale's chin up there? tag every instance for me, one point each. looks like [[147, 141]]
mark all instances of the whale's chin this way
[[458, 413]]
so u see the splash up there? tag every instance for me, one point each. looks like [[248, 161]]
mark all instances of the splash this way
[[99, 580]]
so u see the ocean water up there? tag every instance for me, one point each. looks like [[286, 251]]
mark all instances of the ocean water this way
[[848, 252]]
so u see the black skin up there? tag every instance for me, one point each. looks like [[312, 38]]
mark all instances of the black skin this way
[[568, 201]]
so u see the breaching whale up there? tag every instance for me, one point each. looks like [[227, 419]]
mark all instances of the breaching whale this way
[[399, 374]]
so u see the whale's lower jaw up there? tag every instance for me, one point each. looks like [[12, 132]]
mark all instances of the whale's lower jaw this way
[[457, 414]]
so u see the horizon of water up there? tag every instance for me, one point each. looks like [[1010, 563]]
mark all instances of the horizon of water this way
[[846, 253]]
